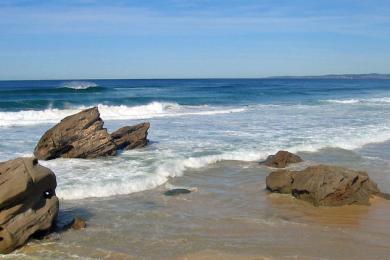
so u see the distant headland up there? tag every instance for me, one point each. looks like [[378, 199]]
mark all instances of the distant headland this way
[[338, 76]]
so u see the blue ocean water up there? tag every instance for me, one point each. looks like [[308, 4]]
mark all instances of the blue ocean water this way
[[39, 95], [195, 123]]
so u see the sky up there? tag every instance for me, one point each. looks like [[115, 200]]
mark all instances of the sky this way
[[90, 39]]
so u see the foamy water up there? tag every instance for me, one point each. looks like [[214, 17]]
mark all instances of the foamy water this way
[[185, 143], [377, 100]]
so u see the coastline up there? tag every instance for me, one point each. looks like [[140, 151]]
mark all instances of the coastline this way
[[230, 216]]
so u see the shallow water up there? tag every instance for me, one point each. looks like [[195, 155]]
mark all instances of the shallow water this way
[[230, 216]]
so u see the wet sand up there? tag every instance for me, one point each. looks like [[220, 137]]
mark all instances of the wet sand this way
[[230, 216]]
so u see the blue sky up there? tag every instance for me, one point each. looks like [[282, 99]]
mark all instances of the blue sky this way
[[63, 39]]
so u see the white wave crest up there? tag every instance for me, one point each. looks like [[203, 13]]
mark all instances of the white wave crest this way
[[380, 100], [78, 85], [343, 101], [107, 112]]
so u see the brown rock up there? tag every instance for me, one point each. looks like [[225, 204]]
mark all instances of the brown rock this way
[[130, 137], [77, 136], [78, 223], [27, 201], [281, 159], [324, 185]]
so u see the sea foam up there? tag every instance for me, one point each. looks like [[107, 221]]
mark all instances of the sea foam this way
[[133, 172], [375, 100], [111, 112]]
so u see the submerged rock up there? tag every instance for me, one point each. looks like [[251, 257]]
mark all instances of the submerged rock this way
[[281, 159], [175, 192], [324, 185], [130, 137], [28, 203], [82, 136], [66, 222], [78, 223]]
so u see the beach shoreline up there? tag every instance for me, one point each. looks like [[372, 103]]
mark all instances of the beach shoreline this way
[[230, 215]]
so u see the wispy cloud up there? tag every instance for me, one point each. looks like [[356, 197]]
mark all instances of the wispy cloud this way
[[184, 17], [190, 38]]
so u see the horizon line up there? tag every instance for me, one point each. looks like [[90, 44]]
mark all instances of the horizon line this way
[[345, 75]]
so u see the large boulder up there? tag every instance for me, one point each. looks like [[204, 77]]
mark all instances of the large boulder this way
[[130, 137], [77, 136], [281, 159], [324, 185], [28, 203]]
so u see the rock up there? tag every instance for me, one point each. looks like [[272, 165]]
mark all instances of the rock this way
[[28, 203], [79, 223], [324, 185], [130, 137], [77, 136], [82, 136], [280, 181], [175, 192], [66, 222], [281, 159]]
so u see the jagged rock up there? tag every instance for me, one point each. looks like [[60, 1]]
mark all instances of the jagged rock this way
[[130, 137], [324, 185], [28, 203], [281, 159], [77, 136], [82, 136]]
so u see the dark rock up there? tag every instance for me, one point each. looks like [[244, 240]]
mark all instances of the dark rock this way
[[175, 192], [66, 222], [28, 203], [281, 159], [324, 185], [77, 136], [130, 137], [79, 223]]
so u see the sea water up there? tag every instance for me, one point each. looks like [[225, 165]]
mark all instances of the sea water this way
[[194, 123], [208, 135]]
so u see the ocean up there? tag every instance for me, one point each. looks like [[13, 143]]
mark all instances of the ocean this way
[[208, 134]]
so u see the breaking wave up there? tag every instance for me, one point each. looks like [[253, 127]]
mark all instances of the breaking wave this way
[[79, 85], [112, 112], [124, 176], [377, 100]]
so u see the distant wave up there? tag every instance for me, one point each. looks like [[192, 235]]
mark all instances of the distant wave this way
[[68, 87], [112, 112], [343, 101], [79, 85], [382, 100]]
